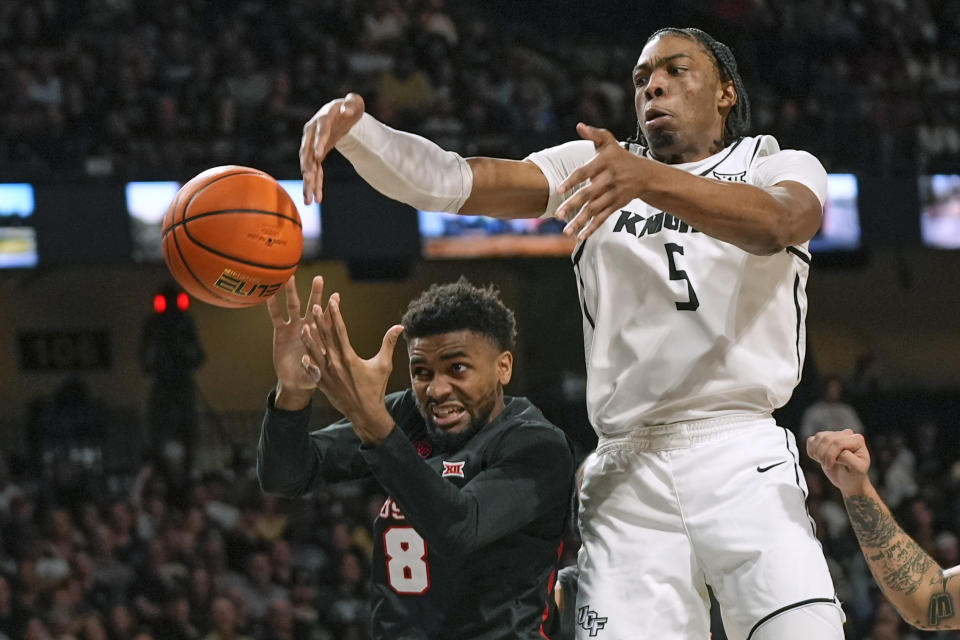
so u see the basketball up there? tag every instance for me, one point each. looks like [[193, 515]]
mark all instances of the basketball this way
[[232, 236]]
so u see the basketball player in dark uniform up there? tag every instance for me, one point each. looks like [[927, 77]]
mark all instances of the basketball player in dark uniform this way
[[467, 544]]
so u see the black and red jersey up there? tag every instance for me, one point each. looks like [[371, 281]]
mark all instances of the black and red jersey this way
[[466, 545]]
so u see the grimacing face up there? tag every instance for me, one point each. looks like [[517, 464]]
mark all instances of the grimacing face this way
[[680, 99], [458, 379]]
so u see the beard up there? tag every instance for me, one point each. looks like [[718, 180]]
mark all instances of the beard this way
[[448, 442]]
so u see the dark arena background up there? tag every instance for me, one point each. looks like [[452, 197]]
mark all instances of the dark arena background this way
[[128, 501]]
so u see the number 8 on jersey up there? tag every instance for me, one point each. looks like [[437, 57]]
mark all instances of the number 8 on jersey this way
[[406, 552]]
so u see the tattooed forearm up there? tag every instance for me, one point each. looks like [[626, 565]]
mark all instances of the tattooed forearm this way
[[904, 570], [906, 567], [912, 581], [896, 560], [940, 607], [873, 526]]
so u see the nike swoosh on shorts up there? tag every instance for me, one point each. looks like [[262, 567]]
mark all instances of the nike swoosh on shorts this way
[[776, 464]]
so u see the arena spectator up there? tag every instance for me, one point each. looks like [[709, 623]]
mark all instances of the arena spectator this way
[[830, 413], [225, 621], [115, 89]]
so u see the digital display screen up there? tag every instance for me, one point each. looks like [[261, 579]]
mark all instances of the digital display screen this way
[[18, 238], [147, 203], [309, 218], [448, 235], [840, 229], [940, 211]]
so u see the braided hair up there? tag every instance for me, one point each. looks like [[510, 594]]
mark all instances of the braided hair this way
[[738, 120]]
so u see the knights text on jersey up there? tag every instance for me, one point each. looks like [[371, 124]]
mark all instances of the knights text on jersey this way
[[679, 326]]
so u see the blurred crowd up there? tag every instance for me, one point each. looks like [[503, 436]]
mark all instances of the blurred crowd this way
[[162, 550], [150, 88], [915, 465], [176, 555]]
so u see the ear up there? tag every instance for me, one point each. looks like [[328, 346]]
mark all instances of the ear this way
[[727, 98], [504, 368]]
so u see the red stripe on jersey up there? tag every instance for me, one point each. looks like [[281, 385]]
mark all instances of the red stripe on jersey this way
[[551, 583]]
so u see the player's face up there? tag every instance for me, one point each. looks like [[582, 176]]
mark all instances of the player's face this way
[[458, 379], [681, 102]]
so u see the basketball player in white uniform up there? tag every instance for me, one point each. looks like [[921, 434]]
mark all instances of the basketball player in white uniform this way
[[691, 269]]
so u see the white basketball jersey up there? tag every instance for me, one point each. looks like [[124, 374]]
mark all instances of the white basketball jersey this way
[[679, 326]]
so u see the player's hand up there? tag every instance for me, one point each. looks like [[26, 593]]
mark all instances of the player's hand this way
[[295, 384], [354, 386], [616, 177], [844, 458], [320, 134]]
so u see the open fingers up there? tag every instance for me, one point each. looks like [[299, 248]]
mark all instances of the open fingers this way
[[319, 330], [341, 340], [596, 180], [579, 176], [594, 223], [320, 138], [389, 343], [276, 315], [307, 159], [600, 138], [591, 215], [597, 135], [313, 342], [571, 207], [316, 295], [274, 308]]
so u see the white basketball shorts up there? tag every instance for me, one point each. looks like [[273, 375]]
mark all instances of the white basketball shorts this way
[[667, 510]]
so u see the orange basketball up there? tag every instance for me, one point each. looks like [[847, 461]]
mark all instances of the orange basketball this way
[[232, 236]]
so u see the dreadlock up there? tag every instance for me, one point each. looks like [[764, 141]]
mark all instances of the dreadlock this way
[[738, 120]]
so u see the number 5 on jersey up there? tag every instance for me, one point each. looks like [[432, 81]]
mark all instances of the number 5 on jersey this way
[[691, 302], [407, 569]]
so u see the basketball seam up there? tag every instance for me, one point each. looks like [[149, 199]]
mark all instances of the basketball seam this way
[[235, 259], [176, 240], [218, 212], [220, 253], [183, 222], [183, 260], [173, 218]]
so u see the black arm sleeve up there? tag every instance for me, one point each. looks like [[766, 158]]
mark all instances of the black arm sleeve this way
[[292, 461], [529, 475]]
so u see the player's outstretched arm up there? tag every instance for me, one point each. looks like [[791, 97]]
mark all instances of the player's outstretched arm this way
[[761, 221], [354, 386], [320, 134], [295, 385], [414, 170], [290, 459], [909, 577]]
